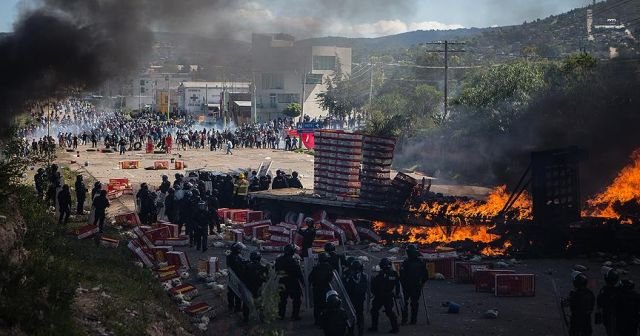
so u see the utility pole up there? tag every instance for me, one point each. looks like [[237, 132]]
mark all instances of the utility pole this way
[[446, 52]]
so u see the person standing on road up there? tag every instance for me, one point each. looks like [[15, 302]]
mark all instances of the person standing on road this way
[[413, 275], [291, 281], [165, 184], [100, 204], [356, 283], [236, 264], [334, 319], [383, 287], [337, 261], [202, 226], [255, 275], [81, 194], [229, 147], [64, 204], [308, 236], [294, 181], [581, 302], [628, 309], [320, 278], [607, 302]]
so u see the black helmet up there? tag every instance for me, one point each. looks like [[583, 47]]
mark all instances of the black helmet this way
[[611, 277], [98, 184], [323, 257], [579, 280], [255, 256], [385, 263], [79, 178], [349, 261], [333, 301], [294, 174], [357, 266], [177, 175], [328, 247], [144, 186], [165, 177], [236, 247], [412, 251], [40, 170], [289, 250], [308, 221], [195, 193]]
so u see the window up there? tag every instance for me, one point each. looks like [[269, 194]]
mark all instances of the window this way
[[142, 90], [314, 79], [272, 81], [272, 100], [287, 98], [324, 62]]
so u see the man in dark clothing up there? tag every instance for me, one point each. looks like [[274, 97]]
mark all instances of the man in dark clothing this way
[[236, 264], [255, 275], [201, 226], [254, 182], [581, 302], [383, 287], [291, 280], [191, 222], [81, 194], [165, 185], [337, 261], [227, 192], [294, 181], [97, 187], [212, 207], [308, 236], [64, 204], [356, 283], [39, 181], [628, 309], [334, 319], [146, 200], [100, 203], [170, 205], [53, 179], [319, 278], [413, 275], [607, 302], [279, 182]]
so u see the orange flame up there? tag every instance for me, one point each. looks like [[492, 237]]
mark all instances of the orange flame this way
[[496, 200], [625, 188], [439, 235]]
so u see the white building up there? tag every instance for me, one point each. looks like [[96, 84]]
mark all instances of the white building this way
[[286, 71], [194, 96]]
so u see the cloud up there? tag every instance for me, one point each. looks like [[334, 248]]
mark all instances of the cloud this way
[[390, 27]]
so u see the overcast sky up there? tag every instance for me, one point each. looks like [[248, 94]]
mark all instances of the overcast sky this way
[[368, 18]]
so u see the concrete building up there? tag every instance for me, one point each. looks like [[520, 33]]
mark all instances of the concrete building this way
[[193, 97], [287, 71]]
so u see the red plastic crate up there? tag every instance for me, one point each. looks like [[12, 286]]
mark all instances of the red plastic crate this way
[[485, 280], [238, 215], [515, 284], [445, 267], [464, 271], [254, 216], [222, 212]]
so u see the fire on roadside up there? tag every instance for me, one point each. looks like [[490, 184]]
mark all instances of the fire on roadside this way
[[624, 192], [474, 209]]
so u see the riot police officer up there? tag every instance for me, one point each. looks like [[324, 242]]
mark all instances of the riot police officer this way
[[356, 283], [255, 275], [39, 181], [165, 185], [413, 275], [192, 219], [236, 264], [291, 280], [628, 309], [147, 204], [581, 302], [320, 278], [607, 301], [308, 236], [383, 287], [337, 261], [334, 320], [64, 205], [81, 194], [201, 226]]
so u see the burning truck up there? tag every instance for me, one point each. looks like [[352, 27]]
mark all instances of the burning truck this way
[[541, 215]]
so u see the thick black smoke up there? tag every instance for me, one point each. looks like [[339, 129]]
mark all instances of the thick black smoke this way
[[64, 45]]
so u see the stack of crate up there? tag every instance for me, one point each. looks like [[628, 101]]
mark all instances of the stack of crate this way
[[338, 155], [377, 156]]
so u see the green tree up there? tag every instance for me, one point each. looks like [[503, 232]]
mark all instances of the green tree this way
[[293, 110]]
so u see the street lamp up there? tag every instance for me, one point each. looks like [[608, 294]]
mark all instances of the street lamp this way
[[168, 79]]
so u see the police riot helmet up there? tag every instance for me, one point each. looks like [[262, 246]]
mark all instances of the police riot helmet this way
[[165, 177], [289, 250], [412, 250], [385, 263], [329, 247], [202, 205], [255, 256], [187, 186], [236, 247], [97, 185], [323, 257], [40, 170], [308, 221], [611, 277], [195, 193], [177, 176], [579, 279], [144, 186], [333, 299], [294, 174], [357, 266]]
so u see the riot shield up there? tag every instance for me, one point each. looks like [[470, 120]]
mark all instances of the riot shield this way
[[240, 289], [338, 286], [308, 264]]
